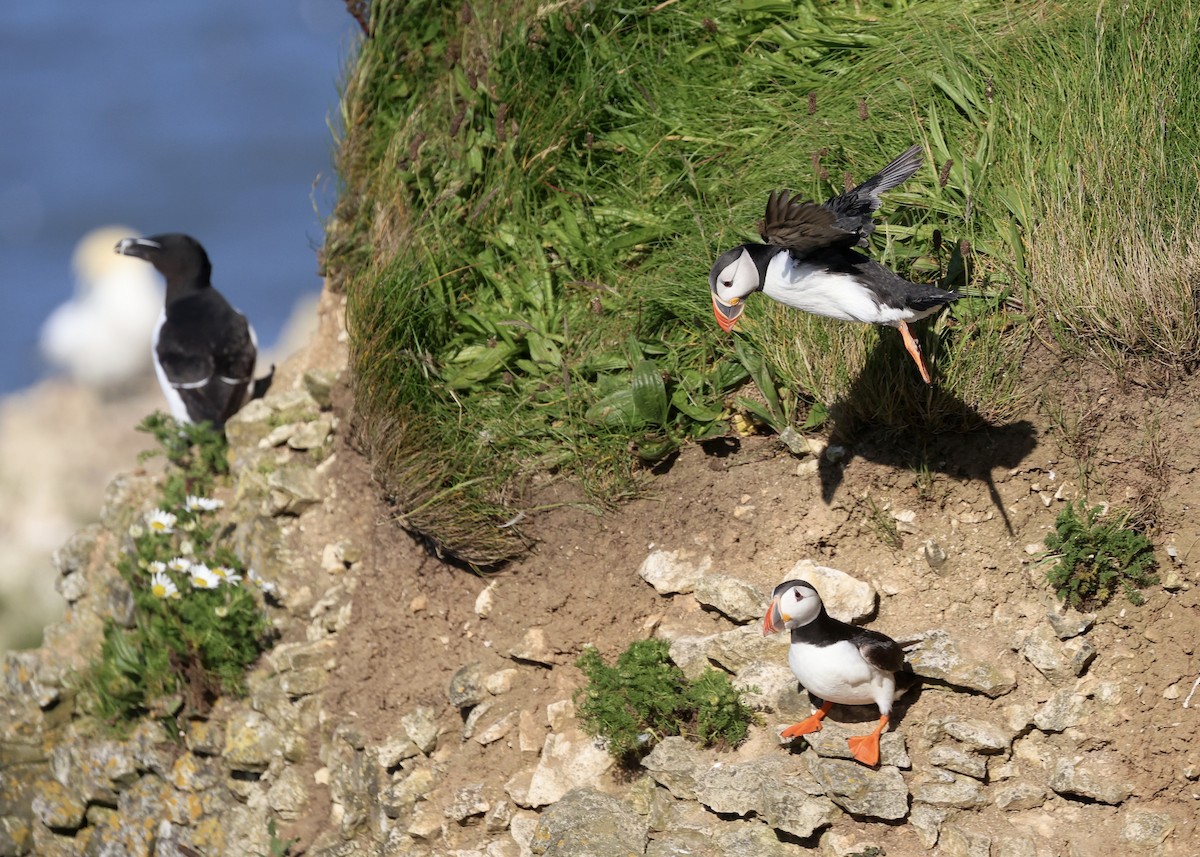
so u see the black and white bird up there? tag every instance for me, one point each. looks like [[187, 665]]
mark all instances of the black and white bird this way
[[836, 662], [204, 350], [809, 262]]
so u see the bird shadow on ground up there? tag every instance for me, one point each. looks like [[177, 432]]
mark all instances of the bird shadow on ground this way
[[957, 440]]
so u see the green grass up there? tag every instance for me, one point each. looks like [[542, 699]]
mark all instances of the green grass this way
[[186, 644], [644, 698], [1096, 554], [532, 199]]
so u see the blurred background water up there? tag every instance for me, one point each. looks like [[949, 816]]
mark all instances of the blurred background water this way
[[212, 118]]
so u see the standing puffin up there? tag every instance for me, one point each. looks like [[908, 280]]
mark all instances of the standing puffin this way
[[204, 350], [809, 262], [836, 662]]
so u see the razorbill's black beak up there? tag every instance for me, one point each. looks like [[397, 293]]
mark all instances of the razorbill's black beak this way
[[139, 247]]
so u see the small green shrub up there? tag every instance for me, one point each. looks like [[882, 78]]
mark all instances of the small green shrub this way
[[645, 698], [197, 620], [1096, 554]]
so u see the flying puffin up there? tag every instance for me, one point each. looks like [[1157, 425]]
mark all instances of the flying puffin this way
[[809, 262], [204, 350], [836, 662]]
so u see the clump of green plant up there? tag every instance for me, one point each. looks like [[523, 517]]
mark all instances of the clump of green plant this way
[[1096, 554], [644, 698], [198, 621]]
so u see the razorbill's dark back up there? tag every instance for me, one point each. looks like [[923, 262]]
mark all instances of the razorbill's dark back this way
[[809, 262], [204, 350]]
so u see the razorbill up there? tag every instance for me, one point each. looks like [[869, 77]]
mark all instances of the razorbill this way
[[836, 662], [204, 350], [809, 262]]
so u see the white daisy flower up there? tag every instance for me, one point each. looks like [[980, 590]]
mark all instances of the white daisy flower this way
[[266, 586], [202, 577], [156, 567], [136, 531], [179, 564], [162, 586], [160, 522], [202, 504], [228, 575]]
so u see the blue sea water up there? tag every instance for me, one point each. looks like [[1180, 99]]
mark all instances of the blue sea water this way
[[212, 118]]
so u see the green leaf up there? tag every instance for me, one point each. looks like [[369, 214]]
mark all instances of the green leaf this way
[[650, 393]]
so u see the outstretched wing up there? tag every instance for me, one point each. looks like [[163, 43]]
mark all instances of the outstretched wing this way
[[801, 227], [853, 209]]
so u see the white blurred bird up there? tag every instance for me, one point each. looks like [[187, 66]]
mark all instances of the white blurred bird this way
[[101, 336]]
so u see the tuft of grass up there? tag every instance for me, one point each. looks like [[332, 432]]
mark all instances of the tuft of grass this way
[[193, 634], [1096, 555], [644, 698]]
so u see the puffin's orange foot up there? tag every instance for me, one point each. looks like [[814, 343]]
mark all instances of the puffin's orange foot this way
[[812, 723], [804, 727], [865, 748]]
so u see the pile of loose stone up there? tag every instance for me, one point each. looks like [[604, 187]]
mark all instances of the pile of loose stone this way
[[984, 777]]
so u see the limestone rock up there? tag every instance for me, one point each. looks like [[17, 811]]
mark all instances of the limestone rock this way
[[1059, 662], [957, 840], [1061, 711], [569, 759], [288, 795], [534, 649], [311, 435], [1070, 623], [772, 687], [684, 842], [738, 788], [468, 801], [737, 599], [1100, 779], [420, 725], [754, 839], [734, 650], [674, 571], [294, 488], [588, 823], [860, 790], [1019, 796], [319, 383], [961, 793], [941, 657], [57, 806], [497, 730], [953, 759], [675, 764], [1146, 829], [845, 598], [796, 811], [977, 734], [690, 654], [466, 686]]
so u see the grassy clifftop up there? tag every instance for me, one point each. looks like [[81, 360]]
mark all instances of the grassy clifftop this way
[[533, 195]]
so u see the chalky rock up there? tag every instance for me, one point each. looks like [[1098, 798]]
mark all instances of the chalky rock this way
[[772, 687], [1100, 779], [953, 759], [420, 725], [466, 686], [1061, 711], [739, 788], [979, 735], [588, 823], [294, 488], [735, 650], [958, 840], [1019, 796], [674, 764], [1059, 662], [57, 806], [941, 657], [959, 793], [1146, 829], [468, 801], [1070, 623], [795, 811], [689, 653], [674, 571], [754, 839], [830, 742], [740, 601], [860, 790], [569, 760], [251, 742], [844, 597]]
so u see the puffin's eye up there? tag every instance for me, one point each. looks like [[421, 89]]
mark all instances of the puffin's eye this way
[[726, 283]]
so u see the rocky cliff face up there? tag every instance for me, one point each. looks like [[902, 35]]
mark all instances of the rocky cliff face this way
[[412, 708]]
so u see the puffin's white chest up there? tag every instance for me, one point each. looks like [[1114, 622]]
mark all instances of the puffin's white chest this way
[[838, 673], [814, 289]]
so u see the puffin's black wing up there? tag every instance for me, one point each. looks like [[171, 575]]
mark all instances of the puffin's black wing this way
[[853, 209], [879, 650], [801, 227]]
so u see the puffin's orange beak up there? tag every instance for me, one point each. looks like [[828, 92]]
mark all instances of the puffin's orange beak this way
[[774, 620], [727, 314]]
